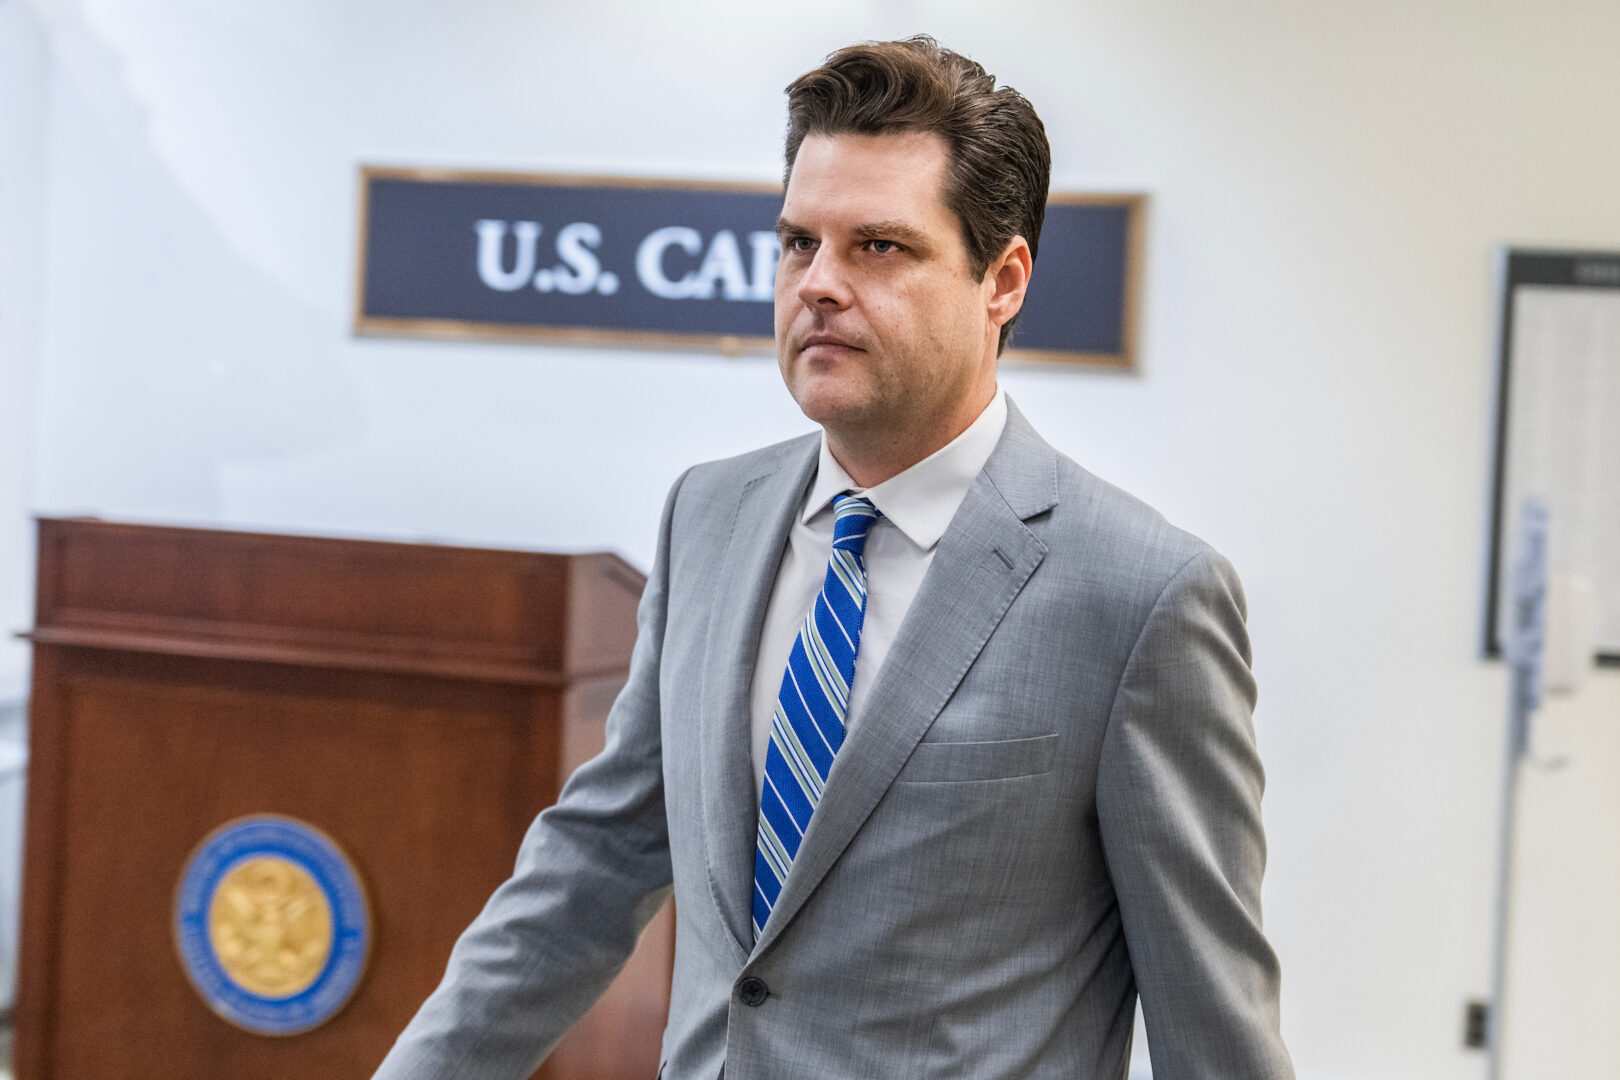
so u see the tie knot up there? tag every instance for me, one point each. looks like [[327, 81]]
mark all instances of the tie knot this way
[[854, 518]]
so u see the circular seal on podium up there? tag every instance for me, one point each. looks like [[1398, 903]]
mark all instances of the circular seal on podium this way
[[272, 924]]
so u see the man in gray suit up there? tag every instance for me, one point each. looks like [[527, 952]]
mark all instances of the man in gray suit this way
[[942, 743]]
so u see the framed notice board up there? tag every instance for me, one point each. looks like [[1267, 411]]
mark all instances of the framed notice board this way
[[1558, 427]]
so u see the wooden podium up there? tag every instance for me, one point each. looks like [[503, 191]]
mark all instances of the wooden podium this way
[[418, 704]]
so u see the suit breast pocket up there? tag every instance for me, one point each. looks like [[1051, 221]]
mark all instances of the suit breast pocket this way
[[965, 762]]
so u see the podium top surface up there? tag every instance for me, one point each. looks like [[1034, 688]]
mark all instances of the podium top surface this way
[[480, 613]]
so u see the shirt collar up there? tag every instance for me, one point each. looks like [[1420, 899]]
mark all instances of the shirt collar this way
[[921, 500]]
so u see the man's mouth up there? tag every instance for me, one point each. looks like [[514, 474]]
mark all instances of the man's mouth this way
[[826, 344]]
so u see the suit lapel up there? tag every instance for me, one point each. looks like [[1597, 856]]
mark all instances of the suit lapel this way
[[982, 563], [742, 592]]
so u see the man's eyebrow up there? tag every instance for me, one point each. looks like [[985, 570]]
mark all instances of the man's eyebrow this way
[[877, 230], [893, 230]]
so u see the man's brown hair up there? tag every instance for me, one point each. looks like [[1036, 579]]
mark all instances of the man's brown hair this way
[[999, 164]]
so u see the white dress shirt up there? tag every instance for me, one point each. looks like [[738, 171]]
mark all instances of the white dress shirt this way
[[917, 506]]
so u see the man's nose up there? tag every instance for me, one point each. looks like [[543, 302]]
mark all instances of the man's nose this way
[[825, 282]]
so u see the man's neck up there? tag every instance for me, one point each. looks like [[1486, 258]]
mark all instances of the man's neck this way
[[873, 457]]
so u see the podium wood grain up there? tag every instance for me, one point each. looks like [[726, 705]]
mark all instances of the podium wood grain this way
[[418, 703]]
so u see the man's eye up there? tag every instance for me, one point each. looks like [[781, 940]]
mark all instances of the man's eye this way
[[884, 247], [799, 243]]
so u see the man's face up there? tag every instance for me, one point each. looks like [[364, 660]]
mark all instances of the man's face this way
[[880, 328]]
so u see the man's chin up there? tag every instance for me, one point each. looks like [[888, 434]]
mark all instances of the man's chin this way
[[834, 407]]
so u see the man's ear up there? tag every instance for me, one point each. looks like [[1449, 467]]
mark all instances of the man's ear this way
[[1008, 277]]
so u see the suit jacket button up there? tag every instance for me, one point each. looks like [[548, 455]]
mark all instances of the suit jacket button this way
[[753, 991]]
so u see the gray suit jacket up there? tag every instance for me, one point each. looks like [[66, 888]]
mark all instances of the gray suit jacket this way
[[1051, 803]]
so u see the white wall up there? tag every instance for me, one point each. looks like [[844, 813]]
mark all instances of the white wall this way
[[22, 178], [1330, 184], [22, 119]]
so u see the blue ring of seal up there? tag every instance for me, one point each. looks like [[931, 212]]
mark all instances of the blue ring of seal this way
[[308, 848]]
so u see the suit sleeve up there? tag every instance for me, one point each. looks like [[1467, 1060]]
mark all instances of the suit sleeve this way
[[591, 873], [1179, 808]]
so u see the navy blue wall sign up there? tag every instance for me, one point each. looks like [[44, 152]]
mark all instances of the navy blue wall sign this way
[[690, 264]]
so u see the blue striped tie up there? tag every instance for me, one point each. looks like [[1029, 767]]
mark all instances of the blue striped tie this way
[[808, 726]]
